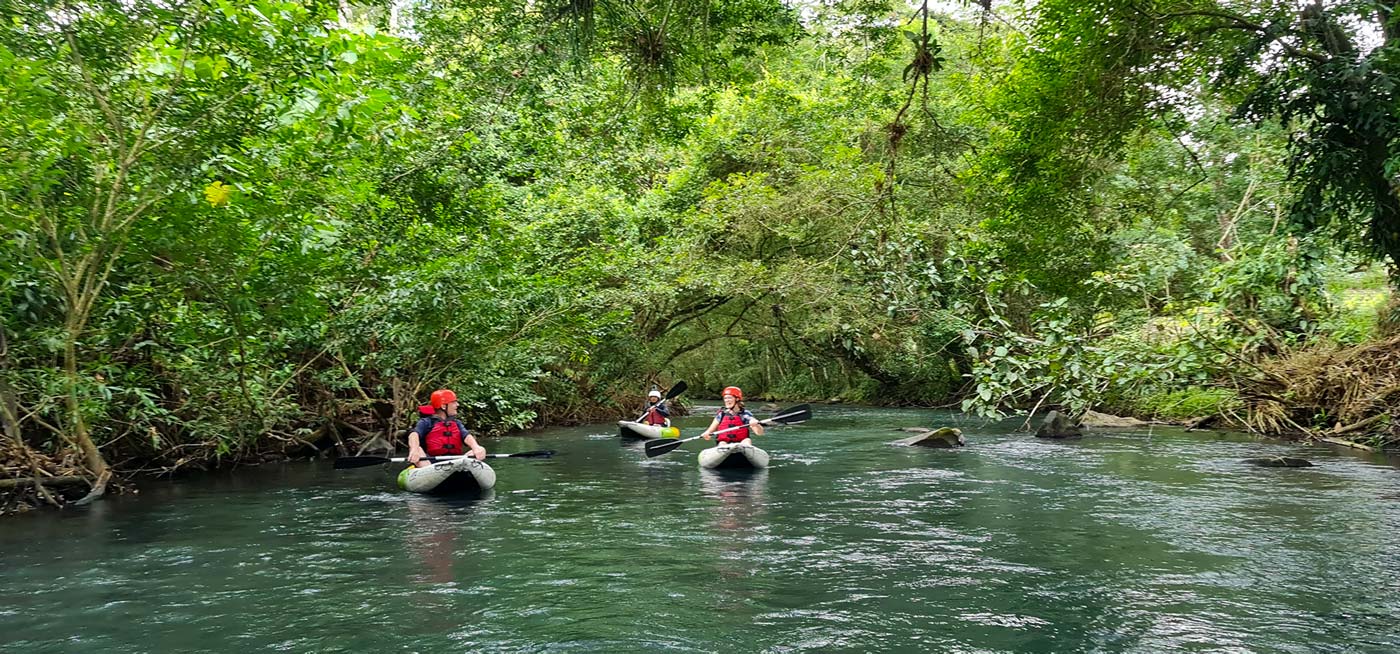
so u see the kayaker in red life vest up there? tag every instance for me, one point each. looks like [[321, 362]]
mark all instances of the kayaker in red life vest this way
[[657, 413], [441, 434], [733, 415]]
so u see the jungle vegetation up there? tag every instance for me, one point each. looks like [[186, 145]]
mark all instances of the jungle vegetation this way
[[241, 229]]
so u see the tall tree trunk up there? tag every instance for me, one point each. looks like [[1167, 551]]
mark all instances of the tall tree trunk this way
[[9, 400], [77, 431]]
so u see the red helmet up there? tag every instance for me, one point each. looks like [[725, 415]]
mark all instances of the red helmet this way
[[442, 398], [733, 390]]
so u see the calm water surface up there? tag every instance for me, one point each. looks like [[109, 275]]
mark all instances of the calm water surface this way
[[1140, 541]]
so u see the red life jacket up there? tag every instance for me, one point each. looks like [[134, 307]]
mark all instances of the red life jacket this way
[[727, 420], [445, 438]]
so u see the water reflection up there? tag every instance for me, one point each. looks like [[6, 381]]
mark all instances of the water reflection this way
[[739, 498], [431, 537], [737, 514]]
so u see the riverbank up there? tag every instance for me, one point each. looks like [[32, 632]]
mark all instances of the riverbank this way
[[33, 479], [1325, 393]]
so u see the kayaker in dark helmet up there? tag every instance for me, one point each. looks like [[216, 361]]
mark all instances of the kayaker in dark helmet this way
[[733, 415], [441, 433], [656, 411]]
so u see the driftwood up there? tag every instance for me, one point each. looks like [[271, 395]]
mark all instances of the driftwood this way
[[42, 481], [98, 489], [1343, 441], [1359, 425], [1352, 386]]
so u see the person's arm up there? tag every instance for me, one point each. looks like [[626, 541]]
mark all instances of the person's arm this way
[[755, 427], [415, 443], [714, 424], [476, 449], [661, 409]]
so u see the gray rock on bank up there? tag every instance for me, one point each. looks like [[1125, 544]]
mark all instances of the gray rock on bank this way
[[1096, 420]]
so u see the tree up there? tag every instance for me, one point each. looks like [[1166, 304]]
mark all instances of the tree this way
[[1092, 73], [117, 116]]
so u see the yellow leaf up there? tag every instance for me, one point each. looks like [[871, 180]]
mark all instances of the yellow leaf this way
[[217, 193]]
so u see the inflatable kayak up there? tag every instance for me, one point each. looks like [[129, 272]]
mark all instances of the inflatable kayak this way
[[464, 475], [733, 456], [627, 430]]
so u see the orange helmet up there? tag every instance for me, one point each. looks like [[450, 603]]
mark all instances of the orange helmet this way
[[442, 398], [733, 390]]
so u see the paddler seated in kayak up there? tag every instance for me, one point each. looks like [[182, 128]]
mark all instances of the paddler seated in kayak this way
[[733, 415], [656, 411], [441, 433]]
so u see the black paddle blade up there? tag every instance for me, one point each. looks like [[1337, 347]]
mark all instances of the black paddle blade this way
[[676, 390], [658, 447], [348, 462], [799, 413], [534, 454]]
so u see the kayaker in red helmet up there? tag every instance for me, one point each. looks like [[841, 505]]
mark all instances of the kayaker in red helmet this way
[[733, 415], [441, 433]]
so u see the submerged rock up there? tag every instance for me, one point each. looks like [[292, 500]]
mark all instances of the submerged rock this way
[[1280, 462], [1096, 420], [1058, 425], [943, 437]]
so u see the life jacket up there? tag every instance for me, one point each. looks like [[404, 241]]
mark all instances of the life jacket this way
[[445, 437], [727, 420], [654, 417]]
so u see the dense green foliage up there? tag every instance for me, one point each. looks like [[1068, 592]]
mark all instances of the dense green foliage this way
[[234, 227]]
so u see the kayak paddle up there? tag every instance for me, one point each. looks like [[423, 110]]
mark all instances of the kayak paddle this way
[[347, 462], [677, 389], [800, 413]]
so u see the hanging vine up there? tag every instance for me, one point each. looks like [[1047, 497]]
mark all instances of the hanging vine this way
[[927, 60]]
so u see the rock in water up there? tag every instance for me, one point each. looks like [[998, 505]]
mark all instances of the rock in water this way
[[1202, 422], [1058, 425], [943, 437], [1280, 462]]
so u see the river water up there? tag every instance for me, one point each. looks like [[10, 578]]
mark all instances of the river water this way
[[1129, 541]]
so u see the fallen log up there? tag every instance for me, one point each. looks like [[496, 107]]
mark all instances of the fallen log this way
[[1359, 425], [1343, 441], [42, 481]]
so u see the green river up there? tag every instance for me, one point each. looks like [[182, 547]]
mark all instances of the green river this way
[[1126, 541]]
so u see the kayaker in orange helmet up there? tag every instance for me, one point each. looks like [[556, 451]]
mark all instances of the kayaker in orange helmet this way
[[733, 415], [440, 433]]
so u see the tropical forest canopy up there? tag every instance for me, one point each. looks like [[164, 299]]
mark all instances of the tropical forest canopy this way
[[235, 227]]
